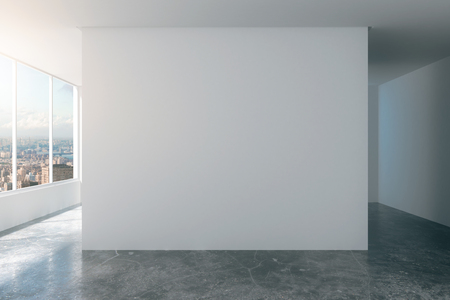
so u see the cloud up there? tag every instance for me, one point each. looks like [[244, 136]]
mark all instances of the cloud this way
[[30, 119], [5, 116], [62, 121], [7, 125]]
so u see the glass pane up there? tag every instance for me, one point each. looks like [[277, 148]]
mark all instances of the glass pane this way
[[32, 127], [62, 130], [6, 94]]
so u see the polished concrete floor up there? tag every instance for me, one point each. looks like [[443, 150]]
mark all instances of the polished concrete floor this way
[[408, 258]]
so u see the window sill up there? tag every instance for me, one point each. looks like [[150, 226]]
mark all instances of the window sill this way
[[38, 187]]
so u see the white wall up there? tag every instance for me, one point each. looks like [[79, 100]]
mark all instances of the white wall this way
[[56, 50], [225, 138], [17, 207], [414, 166], [373, 143]]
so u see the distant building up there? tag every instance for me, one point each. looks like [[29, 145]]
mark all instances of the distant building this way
[[45, 175], [7, 186], [30, 177], [22, 173], [22, 184], [62, 172], [5, 154], [38, 178]]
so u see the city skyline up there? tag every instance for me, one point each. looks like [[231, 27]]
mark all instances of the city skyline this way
[[33, 162]]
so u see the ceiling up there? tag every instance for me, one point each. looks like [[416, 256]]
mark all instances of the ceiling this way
[[406, 34]]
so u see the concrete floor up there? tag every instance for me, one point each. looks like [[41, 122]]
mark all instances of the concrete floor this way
[[408, 258]]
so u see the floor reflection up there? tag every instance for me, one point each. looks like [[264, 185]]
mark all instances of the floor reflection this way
[[408, 258]]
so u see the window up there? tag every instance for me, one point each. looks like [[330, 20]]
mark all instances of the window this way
[[62, 130], [6, 102], [37, 114], [32, 127]]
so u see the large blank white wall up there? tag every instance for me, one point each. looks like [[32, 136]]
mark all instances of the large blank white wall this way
[[414, 142], [225, 138]]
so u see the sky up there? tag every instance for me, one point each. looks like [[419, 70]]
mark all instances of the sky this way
[[33, 103], [5, 96], [62, 110]]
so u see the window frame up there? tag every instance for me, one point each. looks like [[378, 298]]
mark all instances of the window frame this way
[[76, 129]]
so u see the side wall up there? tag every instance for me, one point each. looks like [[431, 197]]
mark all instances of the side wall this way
[[56, 50], [21, 206], [373, 143], [414, 150], [52, 48], [225, 138]]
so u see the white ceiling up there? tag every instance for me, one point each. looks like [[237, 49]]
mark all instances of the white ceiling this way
[[406, 34]]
